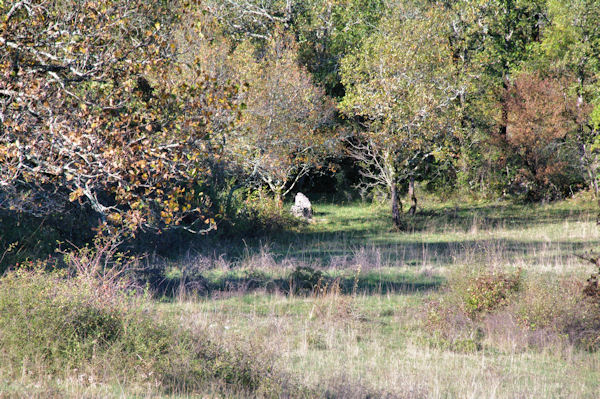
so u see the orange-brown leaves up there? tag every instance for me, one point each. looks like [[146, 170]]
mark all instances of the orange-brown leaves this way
[[92, 112], [541, 113]]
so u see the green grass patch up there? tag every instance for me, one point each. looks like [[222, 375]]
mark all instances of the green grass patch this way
[[53, 327]]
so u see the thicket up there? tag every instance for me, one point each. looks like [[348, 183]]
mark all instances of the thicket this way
[[511, 310], [52, 325]]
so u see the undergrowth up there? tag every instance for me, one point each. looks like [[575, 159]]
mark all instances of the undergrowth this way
[[55, 326], [509, 310]]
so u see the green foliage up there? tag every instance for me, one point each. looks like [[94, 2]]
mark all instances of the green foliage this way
[[304, 280], [61, 324], [330, 30], [286, 127], [254, 212], [595, 119], [326, 30], [48, 318], [571, 40], [569, 47], [402, 84], [490, 291]]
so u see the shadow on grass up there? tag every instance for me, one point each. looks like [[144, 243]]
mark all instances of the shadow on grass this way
[[434, 237], [495, 216], [339, 230], [353, 237], [251, 281], [461, 218], [332, 251]]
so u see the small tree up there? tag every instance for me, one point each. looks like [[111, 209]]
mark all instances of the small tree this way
[[541, 115], [286, 125], [400, 86]]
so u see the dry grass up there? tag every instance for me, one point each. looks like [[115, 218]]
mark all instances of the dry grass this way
[[363, 332], [377, 344]]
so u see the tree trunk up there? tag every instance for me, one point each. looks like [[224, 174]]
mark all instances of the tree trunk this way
[[279, 200], [504, 115], [396, 208], [590, 173], [278, 196], [413, 197], [584, 158]]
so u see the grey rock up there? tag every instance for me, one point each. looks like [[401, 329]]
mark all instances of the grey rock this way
[[302, 207]]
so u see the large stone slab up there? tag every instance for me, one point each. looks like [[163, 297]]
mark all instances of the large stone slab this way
[[302, 207]]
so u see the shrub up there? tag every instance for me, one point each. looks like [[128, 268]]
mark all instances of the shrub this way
[[507, 311], [255, 213], [305, 279], [592, 287], [490, 291], [541, 114], [62, 325], [50, 319], [466, 299], [449, 326], [456, 317], [560, 308]]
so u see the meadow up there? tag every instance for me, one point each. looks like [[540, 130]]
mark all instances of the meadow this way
[[147, 148], [475, 300]]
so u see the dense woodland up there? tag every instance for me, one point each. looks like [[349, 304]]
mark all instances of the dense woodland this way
[[201, 116]]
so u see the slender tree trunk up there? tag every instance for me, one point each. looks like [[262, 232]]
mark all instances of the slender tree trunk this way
[[504, 115], [396, 208], [278, 196], [584, 158], [276, 190], [413, 197]]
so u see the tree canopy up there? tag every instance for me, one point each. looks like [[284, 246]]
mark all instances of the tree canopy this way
[[152, 114], [92, 112]]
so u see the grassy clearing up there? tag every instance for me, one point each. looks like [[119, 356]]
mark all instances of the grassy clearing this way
[[377, 344], [347, 237], [365, 330], [377, 340], [439, 236]]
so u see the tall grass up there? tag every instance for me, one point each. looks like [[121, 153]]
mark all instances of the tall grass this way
[[58, 329], [229, 321]]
